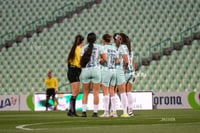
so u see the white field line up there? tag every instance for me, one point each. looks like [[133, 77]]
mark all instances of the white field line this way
[[25, 126]]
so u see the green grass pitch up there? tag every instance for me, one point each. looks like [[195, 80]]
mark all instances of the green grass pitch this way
[[152, 121]]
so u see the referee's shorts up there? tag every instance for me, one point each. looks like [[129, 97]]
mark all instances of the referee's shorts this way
[[73, 73], [50, 92]]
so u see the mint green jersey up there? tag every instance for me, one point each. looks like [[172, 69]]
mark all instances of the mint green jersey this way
[[130, 68], [95, 57], [130, 72], [111, 54], [121, 51]]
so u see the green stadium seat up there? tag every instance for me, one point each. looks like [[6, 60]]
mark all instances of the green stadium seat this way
[[146, 22]]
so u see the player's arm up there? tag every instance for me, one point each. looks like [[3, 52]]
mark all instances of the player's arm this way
[[117, 61], [125, 59], [103, 58], [56, 85], [133, 63], [134, 68]]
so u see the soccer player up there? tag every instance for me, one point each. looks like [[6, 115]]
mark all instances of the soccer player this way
[[52, 88], [109, 75], [91, 73], [129, 73], [74, 71], [123, 63]]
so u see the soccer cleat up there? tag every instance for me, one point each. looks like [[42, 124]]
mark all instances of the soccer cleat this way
[[84, 114], [113, 114], [131, 114], [75, 115], [71, 114], [94, 115], [105, 115], [125, 115]]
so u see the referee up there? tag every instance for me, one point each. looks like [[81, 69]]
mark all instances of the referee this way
[[73, 73], [52, 87]]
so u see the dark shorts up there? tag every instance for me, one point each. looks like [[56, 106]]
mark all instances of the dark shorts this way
[[73, 73], [50, 92]]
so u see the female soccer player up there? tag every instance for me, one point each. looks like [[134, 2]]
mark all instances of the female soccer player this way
[[74, 71], [91, 74], [123, 58], [129, 73], [109, 75]]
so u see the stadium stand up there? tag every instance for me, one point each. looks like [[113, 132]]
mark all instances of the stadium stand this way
[[178, 72], [22, 18], [24, 65]]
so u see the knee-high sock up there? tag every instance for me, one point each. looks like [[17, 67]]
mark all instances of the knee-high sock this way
[[124, 102], [96, 108], [72, 104], [113, 103], [84, 107], [47, 104], [130, 100], [106, 103]]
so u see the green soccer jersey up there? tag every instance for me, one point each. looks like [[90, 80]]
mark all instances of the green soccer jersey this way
[[129, 68], [95, 57], [111, 54], [121, 51]]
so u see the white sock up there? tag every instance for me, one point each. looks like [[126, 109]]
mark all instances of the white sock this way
[[96, 108], [130, 101], [113, 103], [84, 107], [106, 103], [124, 102]]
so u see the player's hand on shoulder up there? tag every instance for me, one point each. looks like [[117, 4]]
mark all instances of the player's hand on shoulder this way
[[134, 79]]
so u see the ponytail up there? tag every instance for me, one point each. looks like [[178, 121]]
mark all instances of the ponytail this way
[[128, 43], [78, 41], [126, 40], [91, 38], [86, 56]]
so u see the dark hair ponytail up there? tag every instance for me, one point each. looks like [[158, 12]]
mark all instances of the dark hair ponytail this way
[[91, 38], [128, 43], [126, 40], [77, 42]]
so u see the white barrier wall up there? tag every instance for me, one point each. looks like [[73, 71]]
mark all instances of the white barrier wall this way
[[26, 102], [9, 102], [142, 101], [176, 100]]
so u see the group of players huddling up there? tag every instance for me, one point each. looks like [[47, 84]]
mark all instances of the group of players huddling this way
[[110, 66]]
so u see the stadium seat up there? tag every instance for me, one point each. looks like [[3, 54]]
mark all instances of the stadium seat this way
[[146, 23]]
